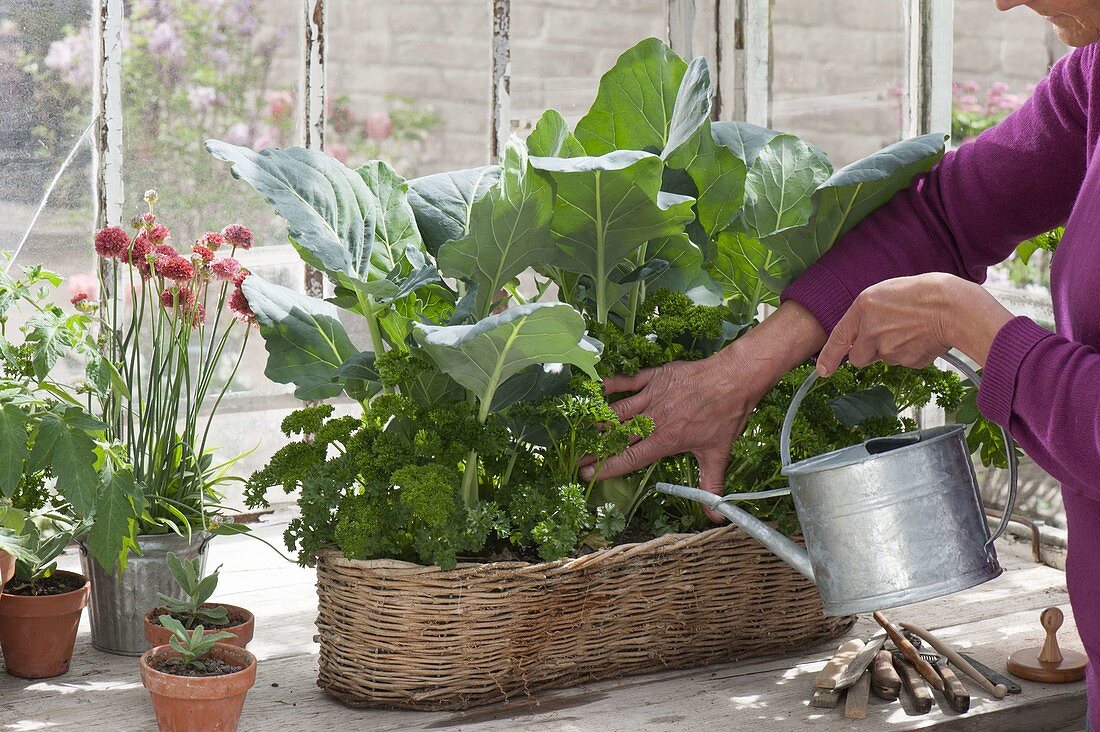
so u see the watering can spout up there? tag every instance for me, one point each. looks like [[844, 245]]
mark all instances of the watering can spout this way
[[781, 546]]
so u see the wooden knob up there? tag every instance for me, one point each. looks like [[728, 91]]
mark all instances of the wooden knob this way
[[1052, 619], [1049, 664]]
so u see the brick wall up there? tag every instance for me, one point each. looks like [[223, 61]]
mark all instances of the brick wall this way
[[837, 63]]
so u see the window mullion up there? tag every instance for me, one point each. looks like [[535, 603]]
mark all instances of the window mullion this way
[[107, 111], [681, 27], [501, 70], [930, 25], [313, 88]]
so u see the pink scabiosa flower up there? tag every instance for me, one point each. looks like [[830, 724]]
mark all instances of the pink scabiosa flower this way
[[158, 234], [206, 254], [241, 276], [140, 249], [165, 250], [237, 236], [212, 240], [225, 269], [111, 242], [149, 218], [176, 268], [238, 303], [83, 302], [177, 297]]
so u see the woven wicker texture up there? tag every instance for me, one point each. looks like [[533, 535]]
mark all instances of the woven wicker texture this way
[[394, 634]]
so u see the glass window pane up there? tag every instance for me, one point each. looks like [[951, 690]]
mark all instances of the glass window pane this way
[[45, 107], [409, 83], [560, 51], [838, 69]]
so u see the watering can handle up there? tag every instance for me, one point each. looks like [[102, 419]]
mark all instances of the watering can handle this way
[[1010, 445]]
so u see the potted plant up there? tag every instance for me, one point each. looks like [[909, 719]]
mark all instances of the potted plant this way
[[173, 351], [42, 605], [647, 234], [197, 684], [194, 611]]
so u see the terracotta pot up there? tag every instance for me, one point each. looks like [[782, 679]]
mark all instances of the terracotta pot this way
[[198, 704], [7, 569], [158, 635], [37, 633]]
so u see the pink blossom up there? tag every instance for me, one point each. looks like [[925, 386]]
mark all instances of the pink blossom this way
[[84, 284], [280, 104], [159, 234], [176, 268], [111, 242], [241, 276], [238, 303], [239, 237], [140, 249], [177, 296], [338, 150], [165, 250], [212, 240], [226, 268], [204, 253], [378, 126], [998, 87], [267, 136], [971, 86]]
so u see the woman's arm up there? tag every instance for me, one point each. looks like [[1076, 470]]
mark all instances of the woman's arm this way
[[1016, 180]]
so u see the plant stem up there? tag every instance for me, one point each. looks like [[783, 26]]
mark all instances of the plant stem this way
[[637, 292], [602, 306]]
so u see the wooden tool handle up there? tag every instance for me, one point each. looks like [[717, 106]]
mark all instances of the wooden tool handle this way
[[915, 685], [957, 696], [910, 652], [960, 663], [885, 681]]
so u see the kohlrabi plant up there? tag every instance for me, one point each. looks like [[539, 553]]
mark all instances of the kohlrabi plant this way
[[43, 538], [496, 297], [190, 612], [193, 647]]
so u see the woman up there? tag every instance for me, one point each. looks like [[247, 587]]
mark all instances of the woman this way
[[868, 300]]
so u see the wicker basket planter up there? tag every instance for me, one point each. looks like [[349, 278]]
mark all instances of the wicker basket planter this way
[[395, 634]]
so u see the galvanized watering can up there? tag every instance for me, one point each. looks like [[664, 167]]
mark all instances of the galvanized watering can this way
[[890, 522]]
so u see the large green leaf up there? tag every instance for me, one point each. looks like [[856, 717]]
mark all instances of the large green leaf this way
[[51, 335], [606, 208], [848, 196], [552, 138], [336, 221], [306, 344], [509, 231], [743, 139], [738, 261], [483, 356], [117, 510], [780, 185], [13, 448], [63, 445], [856, 408], [634, 105], [443, 202]]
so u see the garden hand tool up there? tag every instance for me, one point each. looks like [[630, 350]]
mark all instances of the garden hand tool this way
[[958, 698], [885, 681], [993, 676], [998, 691], [906, 649], [916, 686], [913, 499], [1049, 664]]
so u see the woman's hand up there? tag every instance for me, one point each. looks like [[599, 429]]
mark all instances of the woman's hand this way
[[700, 407], [910, 321]]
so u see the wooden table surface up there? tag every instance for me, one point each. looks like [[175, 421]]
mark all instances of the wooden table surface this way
[[104, 692]]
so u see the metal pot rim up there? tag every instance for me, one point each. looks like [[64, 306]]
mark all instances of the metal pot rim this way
[[857, 454]]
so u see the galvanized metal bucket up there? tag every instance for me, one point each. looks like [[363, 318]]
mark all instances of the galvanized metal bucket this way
[[119, 603], [890, 522]]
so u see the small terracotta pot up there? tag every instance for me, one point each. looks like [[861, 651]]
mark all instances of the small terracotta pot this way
[[198, 704], [158, 635], [37, 634]]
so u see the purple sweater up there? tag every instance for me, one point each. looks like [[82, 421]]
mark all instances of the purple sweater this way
[[1038, 169]]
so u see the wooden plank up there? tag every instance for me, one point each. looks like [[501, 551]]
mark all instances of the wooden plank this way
[[501, 66], [855, 703], [681, 27], [838, 664]]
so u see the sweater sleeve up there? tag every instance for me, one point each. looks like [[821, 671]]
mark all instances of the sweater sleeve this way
[[1045, 390], [1016, 180]]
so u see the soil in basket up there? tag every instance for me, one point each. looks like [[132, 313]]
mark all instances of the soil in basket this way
[[55, 585], [203, 667], [234, 618]]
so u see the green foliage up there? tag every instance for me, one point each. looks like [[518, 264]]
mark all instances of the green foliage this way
[[661, 233], [188, 575], [42, 539], [193, 646]]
